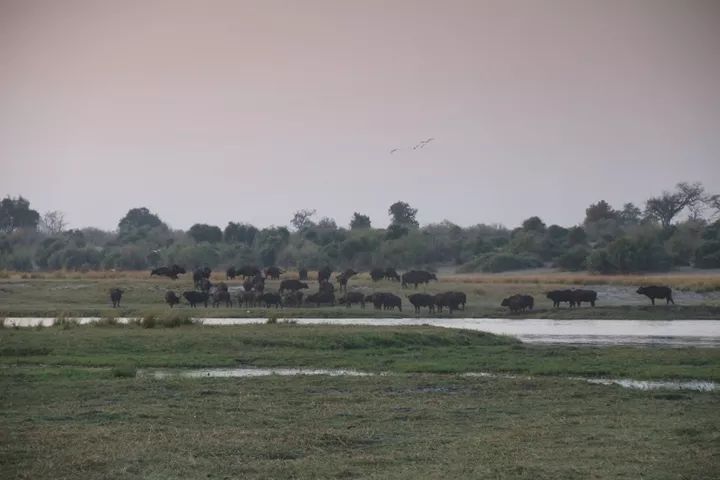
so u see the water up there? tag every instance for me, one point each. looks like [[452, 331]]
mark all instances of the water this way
[[698, 333], [250, 372]]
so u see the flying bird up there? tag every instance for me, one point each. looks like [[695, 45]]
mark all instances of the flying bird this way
[[421, 144], [394, 150]]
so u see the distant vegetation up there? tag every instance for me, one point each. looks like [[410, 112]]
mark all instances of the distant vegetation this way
[[677, 228]]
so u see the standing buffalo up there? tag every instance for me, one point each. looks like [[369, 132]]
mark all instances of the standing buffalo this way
[[352, 297], [194, 298], [302, 274], [231, 273], [589, 296], [344, 277], [654, 291], [256, 283], [324, 274], [560, 296], [115, 296], [220, 296], [390, 301], [249, 299], [419, 300], [377, 274], [247, 271], [273, 273], [392, 274], [271, 299], [171, 298], [200, 274], [321, 297], [451, 300], [171, 272], [416, 277], [517, 303], [292, 285]]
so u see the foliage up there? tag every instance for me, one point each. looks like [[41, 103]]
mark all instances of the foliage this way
[[201, 232]]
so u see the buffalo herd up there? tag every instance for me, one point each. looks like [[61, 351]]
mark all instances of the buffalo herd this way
[[290, 292]]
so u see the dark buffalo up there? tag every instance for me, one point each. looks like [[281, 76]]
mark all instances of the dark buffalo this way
[[292, 285], [415, 277], [449, 300], [390, 301], [392, 274], [654, 291], [271, 299], [248, 271], [419, 300], [352, 297], [560, 296], [377, 274], [587, 296], [344, 277], [171, 272], [326, 286], [459, 298], [194, 298], [231, 273], [171, 298], [517, 303], [200, 274], [321, 297], [204, 285], [221, 296], [293, 299], [324, 274], [273, 273], [302, 274], [256, 283], [249, 299], [115, 296], [376, 299]]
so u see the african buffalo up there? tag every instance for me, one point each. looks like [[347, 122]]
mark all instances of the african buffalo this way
[[171, 272], [271, 299], [419, 300], [194, 298], [344, 277], [560, 296], [256, 283], [247, 271], [219, 296], [352, 297], [231, 273], [302, 274], [324, 274], [416, 277], [273, 273], [200, 274], [518, 302], [321, 297], [377, 274], [115, 296], [292, 285], [392, 274], [390, 301], [654, 291], [247, 298], [588, 296], [326, 286], [451, 300], [171, 298]]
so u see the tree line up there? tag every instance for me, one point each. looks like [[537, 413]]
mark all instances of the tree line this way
[[676, 228]]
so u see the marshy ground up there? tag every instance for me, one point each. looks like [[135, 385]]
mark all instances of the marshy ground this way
[[73, 406]]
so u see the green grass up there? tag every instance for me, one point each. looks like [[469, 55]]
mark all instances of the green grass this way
[[88, 296], [74, 409], [374, 349]]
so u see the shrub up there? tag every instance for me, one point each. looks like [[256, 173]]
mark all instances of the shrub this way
[[126, 371], [574, 259], [708, 255]]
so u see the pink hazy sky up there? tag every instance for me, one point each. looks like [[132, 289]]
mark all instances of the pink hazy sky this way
[[211, 111]]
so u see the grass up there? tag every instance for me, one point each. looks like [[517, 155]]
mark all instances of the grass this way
[[373, 349], [63, 417], [86, 294]]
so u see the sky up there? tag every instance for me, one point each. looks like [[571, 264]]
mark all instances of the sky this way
[[217, 111]]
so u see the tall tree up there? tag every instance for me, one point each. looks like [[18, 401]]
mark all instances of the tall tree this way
[[16, 213], [138, 218], [240, 233], [403, 214], [201, 232], [599, 211], [302, 219], [359, 221], [53, 222], [669, 205], [533, 224]]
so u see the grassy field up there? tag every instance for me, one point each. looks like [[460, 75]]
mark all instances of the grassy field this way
[[86, 294], [72, 408]]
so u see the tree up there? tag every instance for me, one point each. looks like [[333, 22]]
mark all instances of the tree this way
[[403, 214], [53, 222], [533, 224], [327, 223], [16, 213], [201, 232], [302, 219], [630, 214], [669, 205], [240, 233], [599, 211], [359, 221], [138, 218]]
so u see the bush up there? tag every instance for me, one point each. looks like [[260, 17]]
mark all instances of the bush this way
[[166, 320], [574, 259], [500, 262], [124, 372], [708, 255]]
